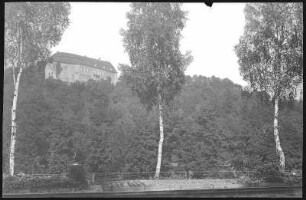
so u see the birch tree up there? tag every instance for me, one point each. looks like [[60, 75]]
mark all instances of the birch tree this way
[[270, 53], [157, 65], [31, 29]]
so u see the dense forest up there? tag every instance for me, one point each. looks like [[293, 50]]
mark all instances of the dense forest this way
[[211, 122]]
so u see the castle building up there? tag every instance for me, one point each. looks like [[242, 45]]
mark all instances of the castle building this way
[[71, 68]]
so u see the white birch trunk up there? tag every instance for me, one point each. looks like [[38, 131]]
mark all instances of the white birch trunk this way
[[14, 79], [279, 150], [161, 140], [14, 124]]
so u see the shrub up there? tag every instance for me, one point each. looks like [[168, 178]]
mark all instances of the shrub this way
[[77, 172], [227, 174], [268, 173], [290, 178], [245, 180], [14, 183]]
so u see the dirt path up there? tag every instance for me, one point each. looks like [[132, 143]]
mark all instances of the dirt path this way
[[158, 185]]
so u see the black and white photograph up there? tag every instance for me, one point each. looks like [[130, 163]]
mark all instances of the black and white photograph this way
[[152, 99]]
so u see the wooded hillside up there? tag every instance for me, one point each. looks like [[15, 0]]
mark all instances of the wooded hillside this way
[[212, 122]]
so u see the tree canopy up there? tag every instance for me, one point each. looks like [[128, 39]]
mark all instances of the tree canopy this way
[[57, 120], [152, 42], [270, 51], [42, 25]]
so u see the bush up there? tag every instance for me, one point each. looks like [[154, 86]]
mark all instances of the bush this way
[[14, 183], [268, 173], [291, 178], [77, 172], [226, 175], [246, 180]]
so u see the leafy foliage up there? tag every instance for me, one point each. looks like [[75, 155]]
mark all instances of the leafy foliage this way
[[268, 173], [31, 29], [14, 183], [271, 50], [42, 25], [77, 173], [152, 42], [270, 53], [57, 125]]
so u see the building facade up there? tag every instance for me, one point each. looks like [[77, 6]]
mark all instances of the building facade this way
[[297, 92], [71, 68]]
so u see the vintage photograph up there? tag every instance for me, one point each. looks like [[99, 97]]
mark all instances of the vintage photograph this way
[[152, 99]]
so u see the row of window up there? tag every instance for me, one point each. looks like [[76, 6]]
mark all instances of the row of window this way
[[86, 69], [82, 77], [86, 76]]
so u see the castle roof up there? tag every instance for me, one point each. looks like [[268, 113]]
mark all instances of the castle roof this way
[[83, 60]]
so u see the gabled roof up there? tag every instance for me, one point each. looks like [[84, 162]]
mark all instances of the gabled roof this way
[[83, 60]]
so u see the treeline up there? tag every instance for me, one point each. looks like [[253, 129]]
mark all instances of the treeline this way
[[105, 127]]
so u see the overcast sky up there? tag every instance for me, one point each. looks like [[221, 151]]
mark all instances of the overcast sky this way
[[210, 34]]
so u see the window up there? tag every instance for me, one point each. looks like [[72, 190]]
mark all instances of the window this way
[[50, 74]]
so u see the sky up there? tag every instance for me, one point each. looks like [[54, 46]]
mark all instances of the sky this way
[[210, 34]]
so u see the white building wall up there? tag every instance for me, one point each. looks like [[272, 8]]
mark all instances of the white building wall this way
[[72, 73], [68, 72], [50, 71]]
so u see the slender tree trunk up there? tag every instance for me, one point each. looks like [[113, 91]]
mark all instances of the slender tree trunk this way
[[14, 124], [279, 150], [14, 79], [161, 140]]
